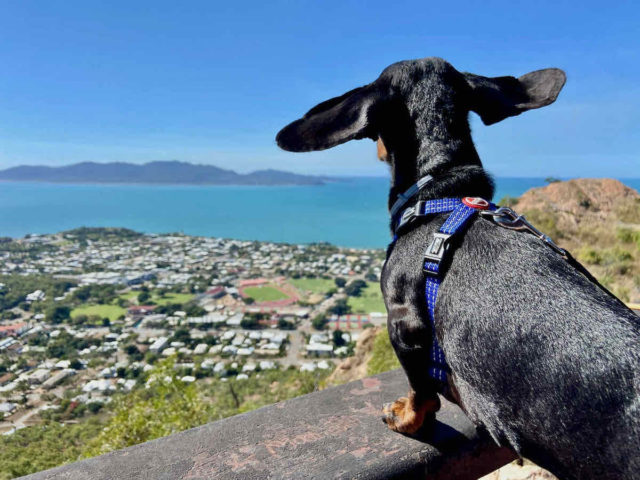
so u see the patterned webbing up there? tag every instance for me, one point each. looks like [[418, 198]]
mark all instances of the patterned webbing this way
[[441, 205], [461, 213]]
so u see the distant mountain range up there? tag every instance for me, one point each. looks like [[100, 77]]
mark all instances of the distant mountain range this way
[[166, 172]]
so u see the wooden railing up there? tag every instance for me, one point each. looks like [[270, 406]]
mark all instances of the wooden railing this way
[[334, 433]]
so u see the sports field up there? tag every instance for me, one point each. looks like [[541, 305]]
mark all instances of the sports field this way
[[158, 300], [172, 298], [265, 293]]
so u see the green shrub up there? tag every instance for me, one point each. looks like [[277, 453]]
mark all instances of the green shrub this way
[[626, 235], [545, 221], [589, 256], [508, 201], [629, 212], [167, 407], [383, 356], [44, 446]]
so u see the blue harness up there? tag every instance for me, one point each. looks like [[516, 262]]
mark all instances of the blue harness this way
[[462, 210]]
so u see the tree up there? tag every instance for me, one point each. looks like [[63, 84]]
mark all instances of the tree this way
[[341, 307], [371, 276], [80, 319], [181, 335], [168, 309], [94, 407], [131, 349], [340, 282], [134, 353], [76, 364], [319, 322], [250, 322], [96, 293], [193, 310], [338, 341], [143, 297], [354, 289], [58, 314], [285, 324]]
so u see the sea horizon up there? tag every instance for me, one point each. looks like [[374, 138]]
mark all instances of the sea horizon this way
[[351, 212]]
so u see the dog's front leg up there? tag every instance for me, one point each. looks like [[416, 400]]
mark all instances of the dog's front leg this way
[[410, 338]]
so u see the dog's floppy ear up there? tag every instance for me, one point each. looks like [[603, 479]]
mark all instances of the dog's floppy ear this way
[[331, 123], [497, 98]]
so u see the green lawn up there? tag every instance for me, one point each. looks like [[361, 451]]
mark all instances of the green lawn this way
[[129, 295], [168, 298], [370, 300], [112, 312], [265, 293], [172, 298], [313, 285]]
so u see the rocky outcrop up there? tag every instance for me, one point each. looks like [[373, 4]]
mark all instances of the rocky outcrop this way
[[585, 200], [355, 367], [598, 221]]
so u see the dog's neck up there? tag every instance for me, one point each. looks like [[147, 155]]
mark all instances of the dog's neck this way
[[444, 150]]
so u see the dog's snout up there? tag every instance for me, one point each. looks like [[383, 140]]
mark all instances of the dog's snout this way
[[382, 151]]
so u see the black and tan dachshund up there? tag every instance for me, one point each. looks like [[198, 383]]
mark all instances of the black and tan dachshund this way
[[540, 356]]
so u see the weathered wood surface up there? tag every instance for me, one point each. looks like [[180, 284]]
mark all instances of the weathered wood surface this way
[[336, 433]]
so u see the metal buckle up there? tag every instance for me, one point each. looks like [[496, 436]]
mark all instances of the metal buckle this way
[[410, 214], [437, 248], [507, 218]]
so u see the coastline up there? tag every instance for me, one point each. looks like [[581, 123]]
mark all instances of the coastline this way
[[350, 213]]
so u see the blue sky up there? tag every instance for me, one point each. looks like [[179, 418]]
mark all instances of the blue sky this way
[[212, 82]]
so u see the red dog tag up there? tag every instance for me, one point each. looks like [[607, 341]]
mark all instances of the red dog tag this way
[[476, 202]]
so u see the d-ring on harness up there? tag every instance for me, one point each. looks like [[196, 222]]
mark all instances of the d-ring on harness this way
[[462, 210]]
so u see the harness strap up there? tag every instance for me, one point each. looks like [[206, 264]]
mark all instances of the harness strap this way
[[454, 224], [423, 209], [408, 194]]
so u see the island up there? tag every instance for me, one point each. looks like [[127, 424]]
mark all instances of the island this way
[[158, 173]]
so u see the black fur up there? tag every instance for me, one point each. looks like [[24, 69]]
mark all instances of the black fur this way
[[541, 357]]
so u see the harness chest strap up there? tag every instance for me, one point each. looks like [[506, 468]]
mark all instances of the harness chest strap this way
[[461, 213]]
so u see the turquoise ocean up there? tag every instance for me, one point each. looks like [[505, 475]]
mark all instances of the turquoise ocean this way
[[349, 213]]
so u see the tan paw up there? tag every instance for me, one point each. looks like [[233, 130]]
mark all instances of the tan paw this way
[[405, 415]]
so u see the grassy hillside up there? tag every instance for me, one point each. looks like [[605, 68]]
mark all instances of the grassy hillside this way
[[598, 221]]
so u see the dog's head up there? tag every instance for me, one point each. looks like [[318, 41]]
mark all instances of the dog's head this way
[[419, 108]]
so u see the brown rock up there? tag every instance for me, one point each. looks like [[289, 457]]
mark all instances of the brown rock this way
[[354, 368], [515, 471]]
